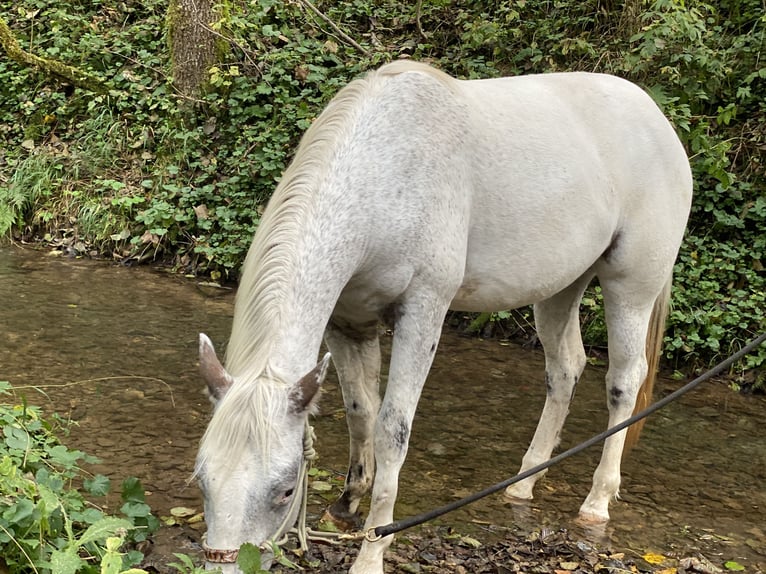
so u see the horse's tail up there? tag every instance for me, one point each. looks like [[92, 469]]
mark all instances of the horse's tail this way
[[654, 337]]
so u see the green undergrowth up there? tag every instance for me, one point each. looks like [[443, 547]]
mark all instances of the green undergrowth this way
[[53, 514], [139, 173], [51, 520]]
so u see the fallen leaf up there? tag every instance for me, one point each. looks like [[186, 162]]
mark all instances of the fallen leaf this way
[[469, 541], [652, 558], [201, 211], [321, 486], [182, 511]]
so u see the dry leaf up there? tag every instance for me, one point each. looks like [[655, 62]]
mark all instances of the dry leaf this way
[[652, 558]]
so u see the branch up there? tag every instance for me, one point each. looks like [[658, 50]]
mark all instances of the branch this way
[[59, 69], [334, 26], [417, 19]]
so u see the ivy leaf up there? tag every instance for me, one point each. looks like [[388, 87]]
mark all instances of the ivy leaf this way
[[136, 510], [733, 566], [66, 561], [97, 486], [132, 490], [61, 455], [104, 528], [16, 438], [249, 559]]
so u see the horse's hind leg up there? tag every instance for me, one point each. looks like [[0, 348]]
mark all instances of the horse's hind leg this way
[[558, 326], [627, 307], [356, 354]]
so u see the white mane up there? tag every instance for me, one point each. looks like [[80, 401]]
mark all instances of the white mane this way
[[257, 396]]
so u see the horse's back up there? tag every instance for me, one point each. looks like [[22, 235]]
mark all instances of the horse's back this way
[[508, 188], [562, 164]]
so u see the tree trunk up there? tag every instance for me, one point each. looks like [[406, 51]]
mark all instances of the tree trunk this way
[[192, 43]]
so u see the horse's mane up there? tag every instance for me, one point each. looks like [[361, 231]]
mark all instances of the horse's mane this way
[[241, 414]]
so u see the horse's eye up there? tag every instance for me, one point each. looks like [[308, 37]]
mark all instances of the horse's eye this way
[[284, 498]]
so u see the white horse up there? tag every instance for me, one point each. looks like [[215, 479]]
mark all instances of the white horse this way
[[414, 193]]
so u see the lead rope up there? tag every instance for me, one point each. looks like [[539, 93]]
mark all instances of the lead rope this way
[[289, 524], [309, 454], [376, 533], [300, 527]]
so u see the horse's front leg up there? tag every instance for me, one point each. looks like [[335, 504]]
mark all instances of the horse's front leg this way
[[356, 354], [416, 336]]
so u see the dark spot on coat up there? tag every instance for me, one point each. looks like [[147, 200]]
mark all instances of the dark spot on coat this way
[[433, 348], [401, 434], [395, 425], [615, 396], [390, 315], [548, 386]]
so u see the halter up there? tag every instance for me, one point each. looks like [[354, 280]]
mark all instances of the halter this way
[[219, 556], [229, 556]]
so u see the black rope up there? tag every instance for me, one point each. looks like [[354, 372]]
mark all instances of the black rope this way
[[399, 525]]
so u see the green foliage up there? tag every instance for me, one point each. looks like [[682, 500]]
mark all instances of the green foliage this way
[[46, 524], [249, 559], [185, 565], [142, 173]]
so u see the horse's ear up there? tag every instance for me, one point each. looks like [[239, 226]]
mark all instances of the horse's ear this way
[[217, 379], [306, 390]]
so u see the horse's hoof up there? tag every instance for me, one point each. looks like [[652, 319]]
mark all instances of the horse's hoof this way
[[344, 521], [592, 518], [517, 495]]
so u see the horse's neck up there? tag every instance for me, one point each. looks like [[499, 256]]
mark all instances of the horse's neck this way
[[283, 307]]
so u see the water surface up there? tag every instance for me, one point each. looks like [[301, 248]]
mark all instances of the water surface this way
[[115, 349]]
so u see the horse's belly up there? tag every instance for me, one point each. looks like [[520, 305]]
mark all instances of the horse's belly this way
[[498, 279], [499, 293]]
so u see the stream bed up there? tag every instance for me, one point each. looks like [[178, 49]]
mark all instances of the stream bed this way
[[114, 349]]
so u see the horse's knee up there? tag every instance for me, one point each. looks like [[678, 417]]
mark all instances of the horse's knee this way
[[560, 385]]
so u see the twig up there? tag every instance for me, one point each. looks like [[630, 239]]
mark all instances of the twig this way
[[39, 388], [334, 26], [418, 14], [230, 40]]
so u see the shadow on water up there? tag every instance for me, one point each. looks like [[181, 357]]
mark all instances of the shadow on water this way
[[115, 349]]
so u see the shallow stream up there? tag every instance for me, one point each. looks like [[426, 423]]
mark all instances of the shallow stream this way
[[115, 349]]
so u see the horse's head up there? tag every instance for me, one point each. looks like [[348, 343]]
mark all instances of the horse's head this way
[[250, 457]]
